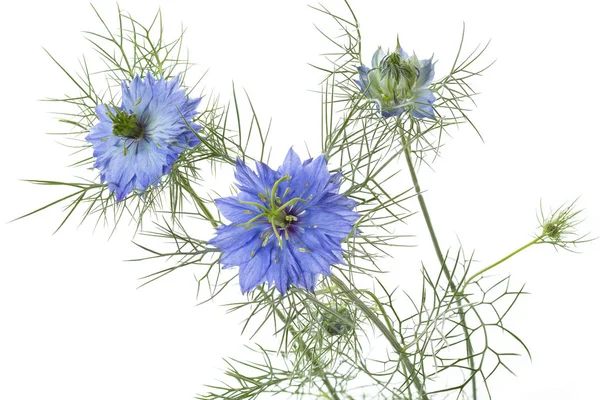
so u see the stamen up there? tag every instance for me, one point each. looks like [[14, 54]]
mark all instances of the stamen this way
[[266, 239], [252, 203], [247, 224], [279, 240]]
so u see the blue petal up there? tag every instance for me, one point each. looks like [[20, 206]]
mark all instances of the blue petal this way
[[278, 272], [363, 71], [254, 273], [231, 236], [239, 255], [291, 163], [234, 211], [311, 261], [136, 96], [363, 78], [427, 73], [266, 175], [423, 105], [331, 222], [247, 179], [392, 112]]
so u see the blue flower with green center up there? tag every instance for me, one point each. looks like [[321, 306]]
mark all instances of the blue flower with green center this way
[[137, 143], [399, 83], [287, 226]]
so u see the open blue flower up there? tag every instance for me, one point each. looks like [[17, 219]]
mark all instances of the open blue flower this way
[[137, 143], [287, 226], [398, 83]]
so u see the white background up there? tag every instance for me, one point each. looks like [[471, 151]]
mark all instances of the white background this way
[[73, 325]]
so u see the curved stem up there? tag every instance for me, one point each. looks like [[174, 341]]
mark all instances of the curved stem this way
[[520, 249], [388, 334], [441, 258]]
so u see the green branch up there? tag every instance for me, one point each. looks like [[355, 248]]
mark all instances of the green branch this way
[[520, 249]]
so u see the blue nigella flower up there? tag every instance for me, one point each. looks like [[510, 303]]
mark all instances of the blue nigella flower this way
[[398, 83], [287, 226], [137, 143]]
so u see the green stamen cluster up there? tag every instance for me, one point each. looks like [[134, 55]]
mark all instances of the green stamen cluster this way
[[126, 125]]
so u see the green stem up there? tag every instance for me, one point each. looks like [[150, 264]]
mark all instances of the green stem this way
[[520, 249], [441, 258], [388, 334], [199, 202]]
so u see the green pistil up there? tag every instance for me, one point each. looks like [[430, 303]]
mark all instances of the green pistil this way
[[397, 68], [275, 186], [126, 125], [290, 203], [401, 74]]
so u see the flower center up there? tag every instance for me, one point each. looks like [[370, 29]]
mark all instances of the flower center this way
[[277, 212], [280, 219], [126, 125]]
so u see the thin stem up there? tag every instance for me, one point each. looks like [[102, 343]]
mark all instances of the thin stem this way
[[520, 249], [185, 183], [388, 334], [440, 256], [206, 211], [425, 213]]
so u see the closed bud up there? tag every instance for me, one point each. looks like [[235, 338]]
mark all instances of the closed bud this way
[[338, 322]]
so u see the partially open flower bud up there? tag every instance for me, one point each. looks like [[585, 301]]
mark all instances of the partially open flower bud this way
[[398, 83]]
